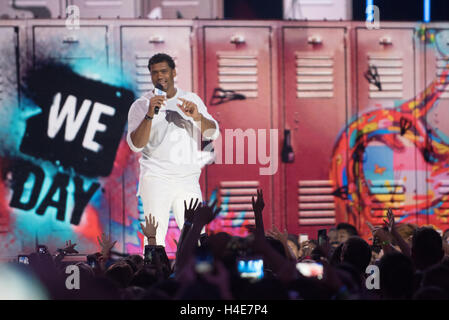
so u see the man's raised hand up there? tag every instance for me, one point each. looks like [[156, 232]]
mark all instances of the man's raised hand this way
[[189, 109], [156, 101]]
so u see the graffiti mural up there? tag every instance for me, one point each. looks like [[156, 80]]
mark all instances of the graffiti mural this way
[[378, 170], [63, 156], [67, 172]]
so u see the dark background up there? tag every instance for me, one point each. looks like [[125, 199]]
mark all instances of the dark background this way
[[390, 10], [403, 10]]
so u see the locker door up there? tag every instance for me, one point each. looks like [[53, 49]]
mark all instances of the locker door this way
[[107, 8], [138, 44], [315, 111], [202, 9], [9, 101], [88, 44], [437, 121], [86, 51], [382, 162], [239, 59]]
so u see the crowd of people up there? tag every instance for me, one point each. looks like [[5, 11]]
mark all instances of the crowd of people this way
[[402, 262]]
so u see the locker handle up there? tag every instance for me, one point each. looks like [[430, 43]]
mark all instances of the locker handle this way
[[70, 39], [287, 153], [237, 39], [385, 41], [314, 40], [157, 39]]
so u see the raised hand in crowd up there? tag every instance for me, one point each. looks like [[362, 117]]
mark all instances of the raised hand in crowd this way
[[283, 238], [258, 206], [149, 230], [202, 216], [106, 245], [372, 228], [390, 224], [283, 268], [189, 212], [69, 247], [381, 236]]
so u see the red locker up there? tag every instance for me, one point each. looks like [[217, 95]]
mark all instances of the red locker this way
[[315, 103], [383, 166], [51, 40], [238, 59], [9, 100], [434, 200], [138, 44]]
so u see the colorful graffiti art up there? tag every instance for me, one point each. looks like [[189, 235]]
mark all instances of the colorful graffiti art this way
[[373, 164], [238, 223], [66, 167]]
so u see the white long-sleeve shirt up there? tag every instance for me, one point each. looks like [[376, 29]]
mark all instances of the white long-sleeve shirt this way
[[174, 148]]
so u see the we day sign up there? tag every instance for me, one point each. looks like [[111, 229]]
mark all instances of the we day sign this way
[[78, 131]]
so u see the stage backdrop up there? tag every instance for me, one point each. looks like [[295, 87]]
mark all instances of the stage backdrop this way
[[365, 113]]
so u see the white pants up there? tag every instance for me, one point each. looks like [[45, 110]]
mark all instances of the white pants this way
[[159, 195]]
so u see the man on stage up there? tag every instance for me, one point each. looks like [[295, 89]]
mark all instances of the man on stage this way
[[167, 128]]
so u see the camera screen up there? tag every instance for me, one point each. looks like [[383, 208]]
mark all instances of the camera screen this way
[[42, 249], [314, 270], [148, 254], [24, 260], [252, 269], [91, 261]]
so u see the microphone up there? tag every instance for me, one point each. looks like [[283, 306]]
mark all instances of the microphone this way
[[158, 92]]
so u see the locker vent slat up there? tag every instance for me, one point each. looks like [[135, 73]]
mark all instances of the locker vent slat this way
[[387, 194], [315, 202], [104, 4], [441, 65], [314, 76], [390, 70], [238, 72], [142, 75], [443, 210], [236, 205]]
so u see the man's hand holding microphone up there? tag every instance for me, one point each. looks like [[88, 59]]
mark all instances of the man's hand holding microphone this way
[[157, 101]]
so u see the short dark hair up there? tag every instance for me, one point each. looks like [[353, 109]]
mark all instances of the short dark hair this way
[[356, 252], [397, 273], [348, 227], [161, 57], [427, 247], [438, 276]]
